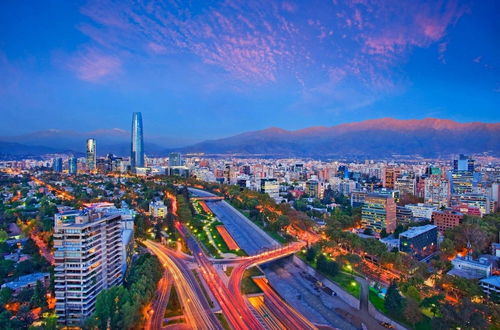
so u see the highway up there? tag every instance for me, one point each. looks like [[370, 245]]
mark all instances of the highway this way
[[161, 302], [195, 307], [287, 315], [289, 285], [234, 307], [248, 235]]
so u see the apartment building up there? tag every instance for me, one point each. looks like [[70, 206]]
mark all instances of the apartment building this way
[[89, 258]]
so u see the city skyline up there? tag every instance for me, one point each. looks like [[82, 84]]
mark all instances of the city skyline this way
[[250, 165], [286, 64]]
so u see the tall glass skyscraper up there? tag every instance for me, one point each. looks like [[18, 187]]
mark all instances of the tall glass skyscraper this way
[[137, 146], [91, 154], [72, 165]]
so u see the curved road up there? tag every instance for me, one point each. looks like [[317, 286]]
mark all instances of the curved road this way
[[196, 309]]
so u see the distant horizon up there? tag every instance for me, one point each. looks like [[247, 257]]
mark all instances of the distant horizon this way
[[154, 138]]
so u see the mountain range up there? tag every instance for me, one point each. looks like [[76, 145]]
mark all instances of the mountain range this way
[[378, 138]]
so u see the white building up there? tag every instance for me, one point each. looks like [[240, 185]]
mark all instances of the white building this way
[[271, 187], [158, 209], [421, 210], [490, 285], [88, 259], [472, 269]]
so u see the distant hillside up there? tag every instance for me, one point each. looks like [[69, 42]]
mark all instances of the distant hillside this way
[[379, 138], [11, 150], [116, 141]]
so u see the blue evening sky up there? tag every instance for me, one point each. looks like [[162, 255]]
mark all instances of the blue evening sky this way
[[207, 69]]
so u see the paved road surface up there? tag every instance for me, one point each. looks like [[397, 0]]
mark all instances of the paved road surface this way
[[285, 277], [160, 303], [194, 305]]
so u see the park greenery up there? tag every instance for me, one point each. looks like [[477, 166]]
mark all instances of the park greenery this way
[[120, 307]]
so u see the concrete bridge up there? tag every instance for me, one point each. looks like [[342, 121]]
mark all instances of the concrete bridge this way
[[207, 198]]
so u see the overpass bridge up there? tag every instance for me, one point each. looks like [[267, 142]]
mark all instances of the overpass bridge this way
[[207, 198]]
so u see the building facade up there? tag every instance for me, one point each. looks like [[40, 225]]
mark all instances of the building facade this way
[[437, 191], [421, 210], [88, 259], [72, 165], [174, 159], [57, 165], [271, 187], [158, 209], [446, 219], [419, 241], [378, 213], [91, 155], [389, 176], [137, 144]]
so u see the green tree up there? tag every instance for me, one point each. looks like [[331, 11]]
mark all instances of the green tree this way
[[102, 310], [38, 298], [321, 262], [25, 295], [311, 253], [432, 303], [3, 235], [447, 248], [394, 302], [6, 267], [5, 295], [413, 293], [412, 312], [30, 247]]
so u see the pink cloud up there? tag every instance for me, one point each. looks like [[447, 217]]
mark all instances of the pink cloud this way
[[410, 24], [93, 66], [262, 42], [289, 7]]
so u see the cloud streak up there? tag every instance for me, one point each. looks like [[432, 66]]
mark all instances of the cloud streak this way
[[93, 66], [264, 43]]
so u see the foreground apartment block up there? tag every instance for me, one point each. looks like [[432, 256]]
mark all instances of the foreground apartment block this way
[[89, 258]]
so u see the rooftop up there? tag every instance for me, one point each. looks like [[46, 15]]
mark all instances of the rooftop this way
[[25, 280], [492, 280], [415, 231]]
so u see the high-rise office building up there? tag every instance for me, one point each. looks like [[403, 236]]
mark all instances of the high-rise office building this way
[[406, 184], [378, 213], [88, 259], [57, 165], [437, 190], [389, 176], [174, 159], [72, 165], [137, 144], [91, 154], [463, 163], [463, 178]]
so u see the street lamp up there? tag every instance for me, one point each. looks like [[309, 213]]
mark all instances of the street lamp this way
[[350, 268]]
